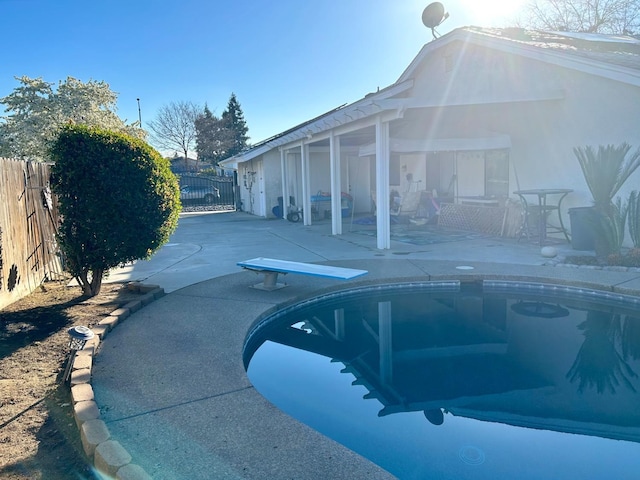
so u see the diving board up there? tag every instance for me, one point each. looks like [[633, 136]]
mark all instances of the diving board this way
[[271, 267]]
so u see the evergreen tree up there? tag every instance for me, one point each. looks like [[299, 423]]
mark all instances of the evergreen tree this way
[[220, 138], [211, 137], [233, 120]]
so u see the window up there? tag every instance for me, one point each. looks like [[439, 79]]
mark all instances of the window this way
[[477, 173], [496, 173]]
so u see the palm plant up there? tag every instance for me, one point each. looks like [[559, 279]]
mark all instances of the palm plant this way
[[631, 337], [606, 170], [599, 362], [609, 227]]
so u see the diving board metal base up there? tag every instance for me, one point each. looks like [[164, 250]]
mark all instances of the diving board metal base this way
[[270, 281], [271, 267]]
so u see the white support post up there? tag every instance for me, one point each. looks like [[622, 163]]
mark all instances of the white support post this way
[[382, 185], [336, 193], [306, 184], [285, 183]]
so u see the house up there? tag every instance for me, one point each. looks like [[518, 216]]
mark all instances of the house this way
[[181, 166], [478, 114]]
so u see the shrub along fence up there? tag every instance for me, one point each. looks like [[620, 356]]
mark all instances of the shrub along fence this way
[[28, 221]]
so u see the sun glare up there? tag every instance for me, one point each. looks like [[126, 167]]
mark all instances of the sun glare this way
[[491, 12]]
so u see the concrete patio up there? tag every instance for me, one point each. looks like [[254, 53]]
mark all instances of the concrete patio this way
[[169, 381]]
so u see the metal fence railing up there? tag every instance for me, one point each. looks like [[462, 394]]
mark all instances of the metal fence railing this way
[[204, 192]]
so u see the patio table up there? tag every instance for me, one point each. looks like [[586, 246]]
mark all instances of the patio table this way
[[542, 209]]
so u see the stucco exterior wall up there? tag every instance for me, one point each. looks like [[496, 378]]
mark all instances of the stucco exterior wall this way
[[542, 151], [320, 170], [260, 183], [249, 179], [268, 171], [272, 180], [477, 83]]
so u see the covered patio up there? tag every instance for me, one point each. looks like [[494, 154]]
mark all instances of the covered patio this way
[[377, 164], [477, 116]]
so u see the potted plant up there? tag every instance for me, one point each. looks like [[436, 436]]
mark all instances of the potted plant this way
[[605, 170], [632, 257], [628, 214]]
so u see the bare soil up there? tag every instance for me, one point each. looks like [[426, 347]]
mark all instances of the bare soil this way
[[39, 438]]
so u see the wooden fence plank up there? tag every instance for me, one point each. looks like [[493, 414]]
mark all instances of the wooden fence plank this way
[[28, 253]]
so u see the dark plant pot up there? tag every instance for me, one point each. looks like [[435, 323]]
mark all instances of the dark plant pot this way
[[582, 228]]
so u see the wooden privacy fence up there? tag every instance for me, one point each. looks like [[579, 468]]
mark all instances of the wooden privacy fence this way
[[28, 220]]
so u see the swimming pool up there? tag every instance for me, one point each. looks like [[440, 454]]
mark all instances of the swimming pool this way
[[449, 380]]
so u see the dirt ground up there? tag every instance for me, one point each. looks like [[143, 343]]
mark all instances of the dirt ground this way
[[38, 435]]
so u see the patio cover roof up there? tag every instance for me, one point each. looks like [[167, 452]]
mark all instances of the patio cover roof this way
[[614, 57], [442, 143]]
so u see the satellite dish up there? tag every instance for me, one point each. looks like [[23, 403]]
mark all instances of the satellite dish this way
[[433, 15]]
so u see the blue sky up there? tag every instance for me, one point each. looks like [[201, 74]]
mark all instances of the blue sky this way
[[286, 61]]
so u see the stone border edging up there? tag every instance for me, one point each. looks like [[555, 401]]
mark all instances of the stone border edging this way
[[110, 458], [559, 261]]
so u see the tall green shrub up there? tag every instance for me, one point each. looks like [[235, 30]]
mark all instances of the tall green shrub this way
[[118, 199]]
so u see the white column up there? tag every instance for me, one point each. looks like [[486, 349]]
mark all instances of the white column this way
[[382, 185], [336, 197], [306, 184], [285, 183]]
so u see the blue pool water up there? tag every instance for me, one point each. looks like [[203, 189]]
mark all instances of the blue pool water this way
[[442, 380]]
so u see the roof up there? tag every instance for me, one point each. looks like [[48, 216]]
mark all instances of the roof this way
[[618, 50], [611, 56], [358, 110]]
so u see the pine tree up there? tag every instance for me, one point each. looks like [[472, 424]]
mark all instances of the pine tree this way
[[233, 120], [208, 142], [220, 138]]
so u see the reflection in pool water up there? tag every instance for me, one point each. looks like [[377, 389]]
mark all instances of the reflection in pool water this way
[[436, 380]]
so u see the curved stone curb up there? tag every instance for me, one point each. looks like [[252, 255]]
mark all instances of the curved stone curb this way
[[560, 260], [109, 458]]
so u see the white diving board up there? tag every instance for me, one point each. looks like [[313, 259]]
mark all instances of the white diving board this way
[[272, 267]]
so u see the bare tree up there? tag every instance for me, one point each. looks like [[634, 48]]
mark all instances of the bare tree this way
[[621, 17], [174, 127]]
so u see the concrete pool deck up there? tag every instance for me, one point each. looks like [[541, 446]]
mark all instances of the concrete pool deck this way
[[170, 382]]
